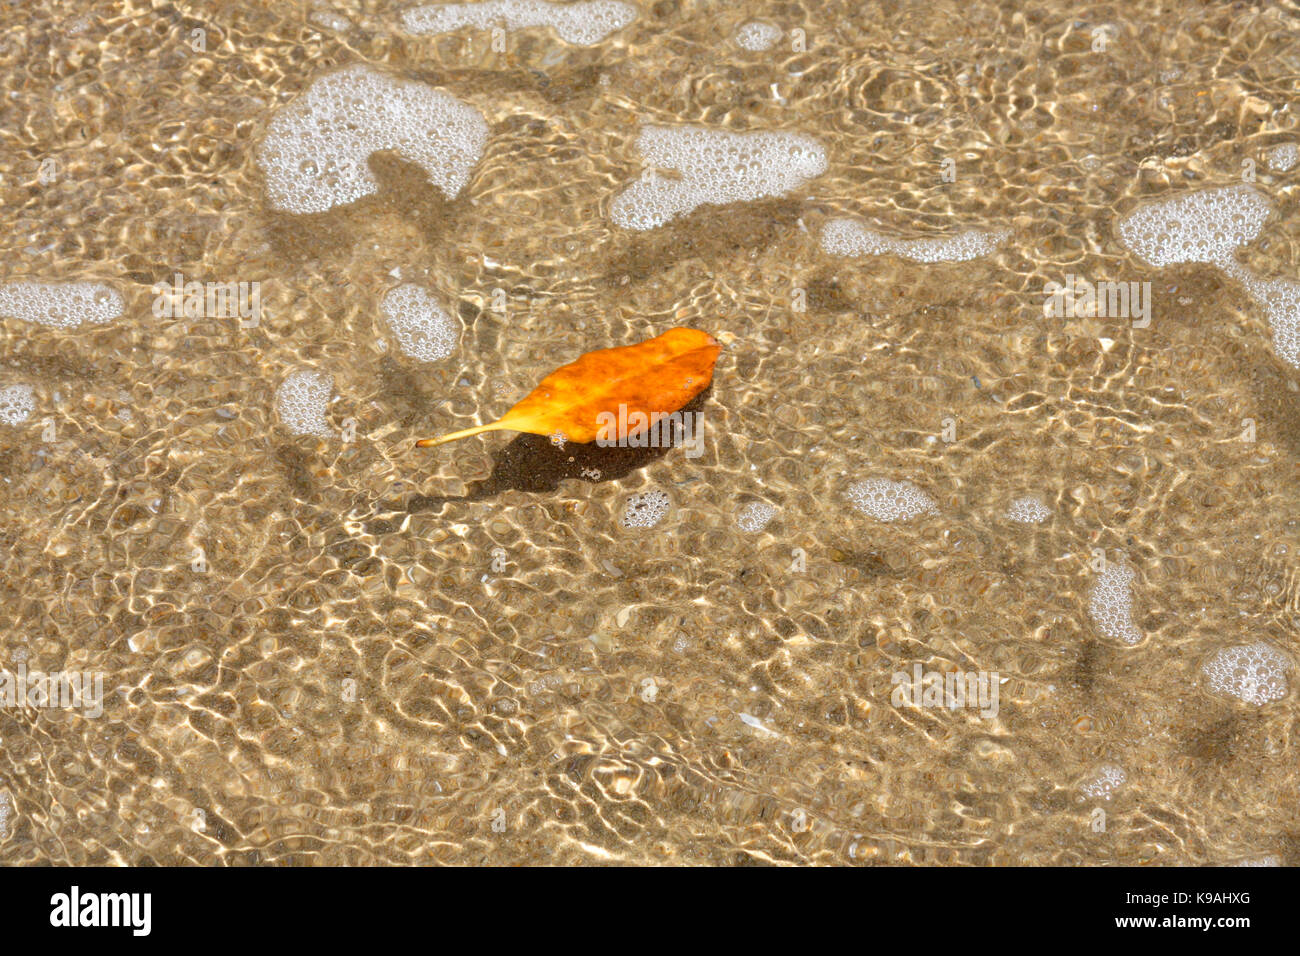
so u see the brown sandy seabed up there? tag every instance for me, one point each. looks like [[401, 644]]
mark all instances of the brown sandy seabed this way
[[331, 561]]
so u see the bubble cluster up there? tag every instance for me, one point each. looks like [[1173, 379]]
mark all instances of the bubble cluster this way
[[757, 35], [1028, 510], [1111, 604], [583, 23], [422, 327], [1254, 673], [848, 237], [715, 166], [302, 399], [887, 500], [64, 305], [1103, 782], [330, 20], [315, 152], [1209, 226], [754, 516], [1282, 159], [646, 509], [1280, 300], [16, 404], [1205, 226]]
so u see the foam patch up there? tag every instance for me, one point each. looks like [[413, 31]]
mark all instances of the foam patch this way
[[330, 20], [1111, 604], [1280, 300], [646, 509], [301, 401], [754, 517], [1254, 673], [715, 167], [887, 500], [1028, 510], [847, 237], [1205, 226], [422, 327], [16, 404], [1104, 782], [1210, 226], [315, 151], [63, 305], [757, 35], [1282, 159], [583, 23]]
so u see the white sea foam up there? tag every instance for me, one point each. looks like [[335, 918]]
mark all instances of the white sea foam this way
[[1282, 159], [64, 305], [1205, 226], [757, 35], [584, 23], [16, 404], [887, 500], [848, 237], [754, 516], [1103, 782], [315, 151], [422, 327], [302, 399], [1029, 510], [330, 20], [1255, 673], [1111, 604], [646, 509], [713, 166], [1210, 226], [1280, 300]]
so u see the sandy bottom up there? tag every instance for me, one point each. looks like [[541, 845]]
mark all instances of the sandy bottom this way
[[335, 648]]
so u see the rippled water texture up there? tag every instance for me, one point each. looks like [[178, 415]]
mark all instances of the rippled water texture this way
[[320, 645]]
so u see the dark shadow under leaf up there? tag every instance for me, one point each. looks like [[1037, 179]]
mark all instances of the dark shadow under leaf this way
[[533, 463]]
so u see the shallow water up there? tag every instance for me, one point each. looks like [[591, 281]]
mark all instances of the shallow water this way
[[336, 648]]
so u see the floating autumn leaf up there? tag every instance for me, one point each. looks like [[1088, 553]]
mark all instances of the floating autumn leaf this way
[[629, 388]]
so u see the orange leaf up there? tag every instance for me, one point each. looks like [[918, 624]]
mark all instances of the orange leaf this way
[[654, 378]]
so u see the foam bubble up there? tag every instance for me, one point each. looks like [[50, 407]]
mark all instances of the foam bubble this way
[[847, 237], [583, 23], [302, 398], [16, 404], [1280, 300], [1259, 861], [1255, 673], [646, 509], [887, 500], [1103, 782], [1282, 159], [315, 151], [422, 327], [715, 166], [757, 35], [330, 20], [1111, 604], [64, 305], [1209, 226], [754, 516], [1204, 226], [1029, 510]]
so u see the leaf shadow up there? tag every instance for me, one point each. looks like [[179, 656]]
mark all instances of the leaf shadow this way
[[533, 463]]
